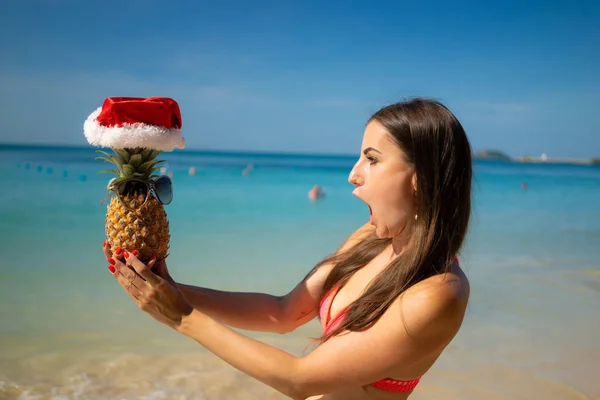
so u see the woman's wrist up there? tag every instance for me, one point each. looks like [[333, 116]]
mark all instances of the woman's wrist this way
[[189, 321]]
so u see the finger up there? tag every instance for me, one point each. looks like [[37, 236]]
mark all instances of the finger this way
[[133, 292], [141, 268], [106, 250], [126, 275], [118, 254]]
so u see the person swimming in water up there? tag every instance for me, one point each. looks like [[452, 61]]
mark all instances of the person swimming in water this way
[[390, 299], [316, 193]]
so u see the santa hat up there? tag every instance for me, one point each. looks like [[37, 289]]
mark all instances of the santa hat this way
[[129, 122]]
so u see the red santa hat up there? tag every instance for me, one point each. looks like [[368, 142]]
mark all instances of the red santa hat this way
[[129, 122]]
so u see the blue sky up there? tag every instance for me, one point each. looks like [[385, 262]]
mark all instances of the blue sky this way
[[304, 76]]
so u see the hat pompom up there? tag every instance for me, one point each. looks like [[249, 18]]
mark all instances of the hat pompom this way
[[126, 122]]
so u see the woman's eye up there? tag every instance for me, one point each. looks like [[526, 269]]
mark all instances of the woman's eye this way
[[372, 160]]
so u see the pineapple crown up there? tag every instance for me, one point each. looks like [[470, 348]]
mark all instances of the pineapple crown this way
[[137, 163]]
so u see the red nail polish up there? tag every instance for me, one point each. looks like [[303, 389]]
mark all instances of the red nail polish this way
[[136, 253], [104, 244], [118, 251], [126, 254], [152, 258], [111, 269], [111, 261]]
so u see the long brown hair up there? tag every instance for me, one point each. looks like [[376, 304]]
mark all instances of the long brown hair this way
[[436, 145]]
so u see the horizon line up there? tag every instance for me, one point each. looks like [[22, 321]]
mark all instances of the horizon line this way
[[517, 159], [186, 150]]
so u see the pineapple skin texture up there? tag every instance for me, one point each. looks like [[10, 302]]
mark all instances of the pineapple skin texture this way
[[145, 229]]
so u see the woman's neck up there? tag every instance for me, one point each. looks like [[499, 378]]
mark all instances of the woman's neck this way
[[398, 246]]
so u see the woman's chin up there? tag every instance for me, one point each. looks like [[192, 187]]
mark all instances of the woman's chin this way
[[382, 232]]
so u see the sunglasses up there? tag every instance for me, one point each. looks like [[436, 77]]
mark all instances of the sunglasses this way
[[160, 188]]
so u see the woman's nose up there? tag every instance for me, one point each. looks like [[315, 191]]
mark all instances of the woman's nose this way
[[355, 177]]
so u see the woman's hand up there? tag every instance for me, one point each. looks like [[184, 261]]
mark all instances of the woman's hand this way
[[153, 294]]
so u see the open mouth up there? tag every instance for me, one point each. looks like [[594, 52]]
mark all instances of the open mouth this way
[[370, 209]]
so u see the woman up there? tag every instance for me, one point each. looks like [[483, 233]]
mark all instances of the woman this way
[[390, 299]]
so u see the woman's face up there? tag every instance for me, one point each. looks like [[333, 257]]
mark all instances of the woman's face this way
[[385, 181]]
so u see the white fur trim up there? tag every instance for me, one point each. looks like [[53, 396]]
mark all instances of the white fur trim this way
[[131, 135]]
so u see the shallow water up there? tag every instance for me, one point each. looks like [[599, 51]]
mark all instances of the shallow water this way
[[69, 332]]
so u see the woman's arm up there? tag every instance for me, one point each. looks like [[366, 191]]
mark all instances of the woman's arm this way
[[349, 360], [245, 310]]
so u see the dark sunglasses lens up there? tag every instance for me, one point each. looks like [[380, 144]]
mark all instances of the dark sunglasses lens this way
[[163, 189], [131, 188]]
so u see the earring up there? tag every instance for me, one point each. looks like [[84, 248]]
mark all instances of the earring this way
[[416, 214]]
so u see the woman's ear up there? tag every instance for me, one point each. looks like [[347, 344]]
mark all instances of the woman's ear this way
[[414, 182]]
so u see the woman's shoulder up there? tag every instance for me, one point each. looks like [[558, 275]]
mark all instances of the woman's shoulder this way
[[452, 284], [436, 303]]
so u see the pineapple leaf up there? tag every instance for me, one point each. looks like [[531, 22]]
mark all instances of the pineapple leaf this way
[[116, 161], [113, 160], [121, 173], [135, 160], [110, 183], [128, 170], [148, 165], [139, 175], [108, 160], [114, 171], [146, 153], [123, 154], [105, 153]]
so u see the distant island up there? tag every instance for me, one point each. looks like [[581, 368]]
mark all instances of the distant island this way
[[491, 155], [545, 159], [497, 155]]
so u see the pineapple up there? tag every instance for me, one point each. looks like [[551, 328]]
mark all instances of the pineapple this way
[[129, 224]]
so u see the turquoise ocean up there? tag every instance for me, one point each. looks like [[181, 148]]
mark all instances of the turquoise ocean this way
[[68, 331]]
